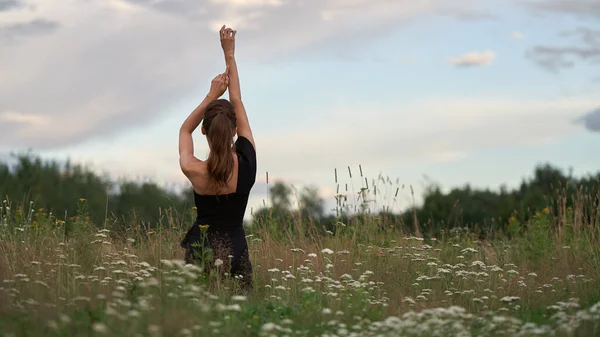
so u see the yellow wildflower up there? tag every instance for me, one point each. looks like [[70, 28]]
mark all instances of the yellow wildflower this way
[[546, 210], [150, 233], [203, 226]]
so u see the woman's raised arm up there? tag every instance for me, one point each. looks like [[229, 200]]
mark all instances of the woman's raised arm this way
[[235, 94], [187, 160]]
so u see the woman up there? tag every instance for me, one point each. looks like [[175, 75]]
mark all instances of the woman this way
[[221, 183]]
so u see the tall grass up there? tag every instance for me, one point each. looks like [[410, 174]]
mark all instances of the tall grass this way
[[363, 279]]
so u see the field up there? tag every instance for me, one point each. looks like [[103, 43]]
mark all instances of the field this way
[[360, 280]]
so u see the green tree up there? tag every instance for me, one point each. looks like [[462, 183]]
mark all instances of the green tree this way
[[281, 195], [311, 205]]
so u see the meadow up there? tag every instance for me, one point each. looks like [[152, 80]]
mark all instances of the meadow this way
[[540, 278]]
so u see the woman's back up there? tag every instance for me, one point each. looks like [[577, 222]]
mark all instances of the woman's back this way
[[224, 211]]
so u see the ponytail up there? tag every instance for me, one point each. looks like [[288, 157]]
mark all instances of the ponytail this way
[[220, 125]]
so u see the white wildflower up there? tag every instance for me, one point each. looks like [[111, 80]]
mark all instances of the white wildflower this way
[[509, 299], [268, 327], [99, 327], [479, 264], [52, 325]]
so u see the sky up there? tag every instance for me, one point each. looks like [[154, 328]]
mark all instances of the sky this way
[[454, 92]]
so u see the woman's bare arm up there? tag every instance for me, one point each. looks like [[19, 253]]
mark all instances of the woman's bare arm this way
[[186, 142], [235, 94], [187, 160]]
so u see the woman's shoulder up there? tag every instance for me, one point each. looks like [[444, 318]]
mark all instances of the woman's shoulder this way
[[245, 149], [243, 143], [246, 164]]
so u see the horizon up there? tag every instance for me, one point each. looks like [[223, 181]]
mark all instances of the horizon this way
[[449, 91], [329, 204]]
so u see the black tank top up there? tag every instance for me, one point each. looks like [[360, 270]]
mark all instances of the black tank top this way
[[226, 211]]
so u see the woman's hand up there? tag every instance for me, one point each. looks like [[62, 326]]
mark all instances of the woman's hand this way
[[219, 85], [228, 40]]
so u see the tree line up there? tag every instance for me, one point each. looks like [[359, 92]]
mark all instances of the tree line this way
[[57, 187]]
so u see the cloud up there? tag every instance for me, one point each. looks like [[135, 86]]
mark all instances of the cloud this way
[[592, 121], [6, 5], [579, 8], [465, 14], [429, 130], [555, 58], [118, 64], [33, 27], [435, 130], [407, 60], [15, 117], [473, 59], [518, 35]]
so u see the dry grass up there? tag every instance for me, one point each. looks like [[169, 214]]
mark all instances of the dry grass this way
[[47, 276]]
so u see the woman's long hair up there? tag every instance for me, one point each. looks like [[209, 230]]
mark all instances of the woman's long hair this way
[[219, 124]]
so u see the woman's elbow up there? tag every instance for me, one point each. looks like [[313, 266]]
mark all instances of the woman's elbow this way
[[185, 166], [184, 130]]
